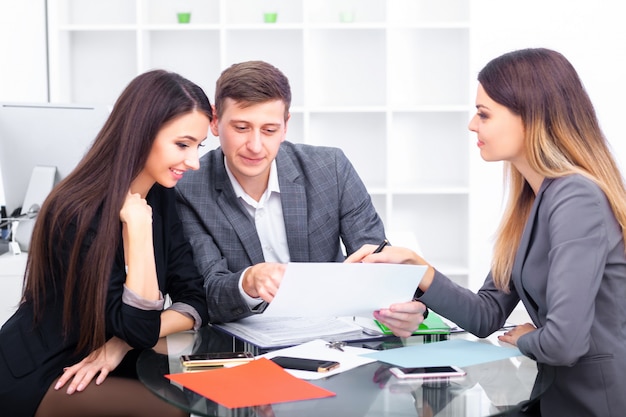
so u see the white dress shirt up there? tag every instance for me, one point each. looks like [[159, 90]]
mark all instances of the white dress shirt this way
[[268, 219]]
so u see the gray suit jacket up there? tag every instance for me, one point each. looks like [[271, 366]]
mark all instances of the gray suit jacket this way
[[324, 203], [570, 273]]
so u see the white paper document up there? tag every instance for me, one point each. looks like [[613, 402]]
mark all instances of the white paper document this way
[[343, 289], [348, 359], [267, 332]]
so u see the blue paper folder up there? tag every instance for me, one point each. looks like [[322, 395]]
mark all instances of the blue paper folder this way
[[456, 352]]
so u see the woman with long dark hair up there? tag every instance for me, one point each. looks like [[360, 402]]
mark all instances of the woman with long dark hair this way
[[106, 248]]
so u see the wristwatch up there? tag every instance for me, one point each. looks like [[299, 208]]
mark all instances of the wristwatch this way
[[416, 296]]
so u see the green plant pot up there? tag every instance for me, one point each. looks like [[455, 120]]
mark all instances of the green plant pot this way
[[270, 17], [184, 17], [346, 16]]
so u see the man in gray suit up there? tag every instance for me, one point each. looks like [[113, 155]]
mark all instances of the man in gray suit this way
[[259, 202]]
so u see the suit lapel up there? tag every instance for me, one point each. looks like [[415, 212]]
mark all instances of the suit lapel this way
[[294, 204], [522, 253], [240, 222]]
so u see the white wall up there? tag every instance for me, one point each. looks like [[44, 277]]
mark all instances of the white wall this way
[[592, 35], [23, 72]]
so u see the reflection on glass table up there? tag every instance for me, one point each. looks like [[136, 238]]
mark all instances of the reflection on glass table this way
[[370, 390]]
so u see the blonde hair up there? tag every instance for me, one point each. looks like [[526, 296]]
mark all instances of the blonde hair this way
[[562, 137]]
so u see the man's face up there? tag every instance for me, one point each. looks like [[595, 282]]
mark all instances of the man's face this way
[[250, 138]]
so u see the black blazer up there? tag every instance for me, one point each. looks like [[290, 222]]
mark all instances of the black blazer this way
[[32, 357]]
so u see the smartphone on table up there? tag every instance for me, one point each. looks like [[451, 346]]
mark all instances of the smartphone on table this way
[[427, 372], [215, 359], [302, 364]]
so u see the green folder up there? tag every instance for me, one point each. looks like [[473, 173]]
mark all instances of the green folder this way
[[431, 325]]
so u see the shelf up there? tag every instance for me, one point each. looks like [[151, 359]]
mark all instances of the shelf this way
[[425, 11], [390, 86], [97, 28], [440, 223], [94, 12], [357, 75], [426, 191], [424, 148], [426, 67], [163, 12]]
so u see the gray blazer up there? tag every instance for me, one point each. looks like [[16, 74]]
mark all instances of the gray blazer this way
[[324, 204], [570, 273]]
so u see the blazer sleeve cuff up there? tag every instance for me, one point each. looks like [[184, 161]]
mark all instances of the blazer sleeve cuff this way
[[131, 298]]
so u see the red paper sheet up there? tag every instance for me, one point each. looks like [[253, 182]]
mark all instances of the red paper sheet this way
[[258, 382]]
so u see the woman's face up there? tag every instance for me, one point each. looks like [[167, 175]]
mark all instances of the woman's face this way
[[500, 132], [174, 151]]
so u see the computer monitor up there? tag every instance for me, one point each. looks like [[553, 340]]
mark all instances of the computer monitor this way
[[43, 135]]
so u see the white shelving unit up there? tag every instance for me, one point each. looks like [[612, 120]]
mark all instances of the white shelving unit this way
[[391, 87]]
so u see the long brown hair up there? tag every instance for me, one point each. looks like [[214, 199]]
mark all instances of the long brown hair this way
[[98, 186], [562, 137]]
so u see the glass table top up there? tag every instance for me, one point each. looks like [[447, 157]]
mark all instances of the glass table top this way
[[369, 390]]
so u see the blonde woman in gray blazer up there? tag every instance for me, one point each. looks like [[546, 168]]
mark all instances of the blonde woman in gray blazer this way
[[560, 246]]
